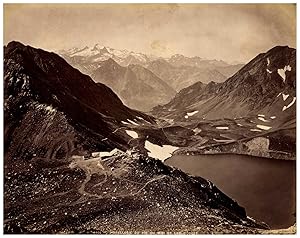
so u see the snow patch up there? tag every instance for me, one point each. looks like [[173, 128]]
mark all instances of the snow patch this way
[[281, 72], [273, 117], [255, 130], [263, 127], [159, 152], [239, 124], [262, 119], [125, 123], [224, 140], [103, 154], [268, 61], [222, 127], [285, 96], [197, 131], [50, 109], [250, 218], [291, 104], [269, 71], [278, 95], [261, 115], [143, 119], [191, 113], [132, 122], [133, 134], [86, 52]]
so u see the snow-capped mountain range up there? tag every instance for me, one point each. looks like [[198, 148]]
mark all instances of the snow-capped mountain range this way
[[87, 59], [97, 53], [174, 73]]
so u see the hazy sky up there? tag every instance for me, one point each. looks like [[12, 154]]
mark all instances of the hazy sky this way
[[232, 32]]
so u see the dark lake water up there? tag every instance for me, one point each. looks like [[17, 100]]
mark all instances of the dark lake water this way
[[266, 188]]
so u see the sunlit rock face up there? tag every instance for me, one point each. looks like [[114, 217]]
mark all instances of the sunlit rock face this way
[[259, 146]]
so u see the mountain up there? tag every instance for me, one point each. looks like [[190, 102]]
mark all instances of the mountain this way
[[265, 85], [229, 70], [183, 76], [185, 70], [253, 112], [221, 66], [188, 96], [38, 84], [138, 87], [70, 165], [88, 59], [181, 60]]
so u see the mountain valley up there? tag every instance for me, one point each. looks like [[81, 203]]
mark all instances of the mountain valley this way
[[86, 163], [75, 155], [129, 73]]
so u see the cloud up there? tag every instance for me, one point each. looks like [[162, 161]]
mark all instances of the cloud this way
[[157, 45], [232, 32]]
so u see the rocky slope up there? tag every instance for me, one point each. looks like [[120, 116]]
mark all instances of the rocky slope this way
[[116, 195], [43, 92], [266, 85], [62, 176], [259, 101], [138, 87]]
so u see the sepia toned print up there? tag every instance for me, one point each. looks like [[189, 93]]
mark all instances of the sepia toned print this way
[[149, 119]]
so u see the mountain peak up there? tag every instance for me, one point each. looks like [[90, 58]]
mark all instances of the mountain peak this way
[[281, 47], [101, 49], [97, 45], [110, 65], [15, 44], [278, 49], [110, 61]]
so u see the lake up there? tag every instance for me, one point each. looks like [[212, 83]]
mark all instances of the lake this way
[[266, 188]]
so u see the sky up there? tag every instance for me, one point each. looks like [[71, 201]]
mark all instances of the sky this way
[[231, 32]]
